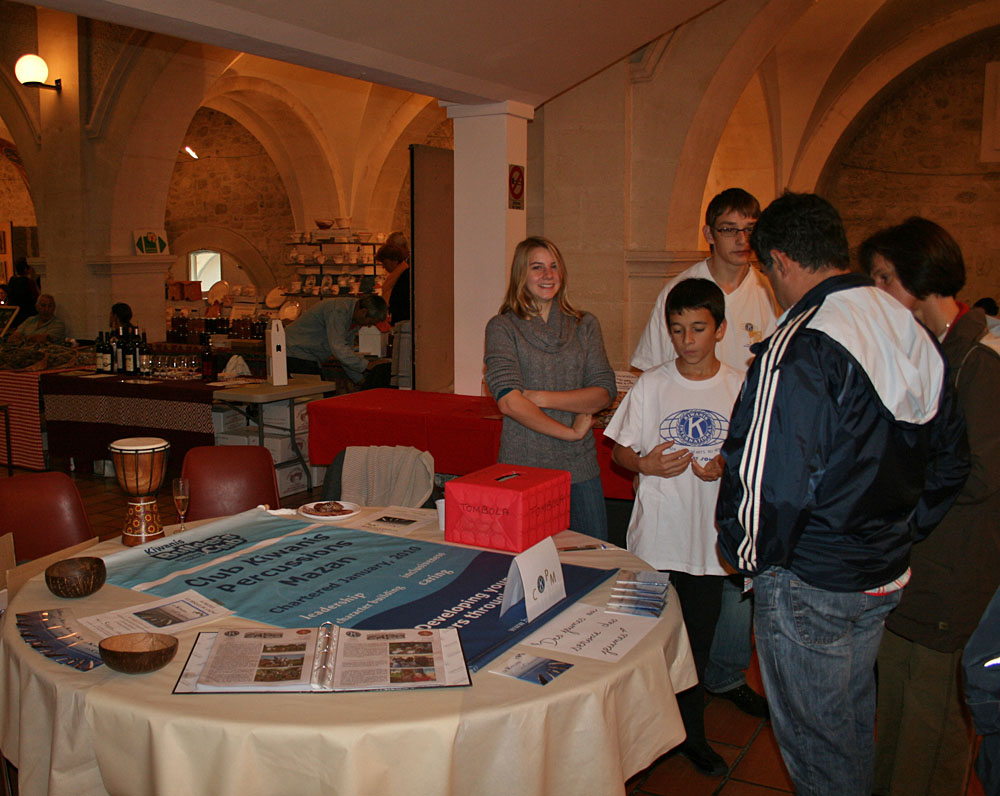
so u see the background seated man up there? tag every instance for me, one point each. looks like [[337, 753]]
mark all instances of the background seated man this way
[[328, 330], [43, 327]]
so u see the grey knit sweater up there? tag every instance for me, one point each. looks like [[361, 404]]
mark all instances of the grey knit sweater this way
[[560, 354]]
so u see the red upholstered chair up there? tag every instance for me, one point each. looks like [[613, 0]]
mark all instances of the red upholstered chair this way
[[228, 479], [45, 513]]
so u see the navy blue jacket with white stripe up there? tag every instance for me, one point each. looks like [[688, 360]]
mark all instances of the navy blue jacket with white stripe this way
[[846, 444]]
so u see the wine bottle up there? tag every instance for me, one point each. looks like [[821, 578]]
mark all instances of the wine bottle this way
[[145, 358]]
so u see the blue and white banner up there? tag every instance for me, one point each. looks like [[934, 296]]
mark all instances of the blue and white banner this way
[[291, 573]]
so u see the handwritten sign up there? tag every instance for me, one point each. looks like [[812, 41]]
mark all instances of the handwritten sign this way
[[587, 630]]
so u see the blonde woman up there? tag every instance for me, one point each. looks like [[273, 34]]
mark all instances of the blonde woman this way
[[548, 371]]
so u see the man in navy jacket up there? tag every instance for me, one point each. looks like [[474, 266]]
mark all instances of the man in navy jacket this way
[[845, 447]]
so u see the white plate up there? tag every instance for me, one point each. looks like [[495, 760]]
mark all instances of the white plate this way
[[354, 507], [218, 291], [275, 297], [289, 310]]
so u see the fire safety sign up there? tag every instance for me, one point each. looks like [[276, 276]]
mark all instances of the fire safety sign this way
[[515, 187]]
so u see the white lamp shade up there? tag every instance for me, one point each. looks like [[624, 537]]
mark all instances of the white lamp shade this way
[[31, 69]]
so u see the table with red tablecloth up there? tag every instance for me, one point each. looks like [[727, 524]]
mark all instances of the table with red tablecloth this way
[[462, 432], [84, 413], [19, 389]]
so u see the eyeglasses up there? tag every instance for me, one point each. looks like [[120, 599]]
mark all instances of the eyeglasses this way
[[732, 232]]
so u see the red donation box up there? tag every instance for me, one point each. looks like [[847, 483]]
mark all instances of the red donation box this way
[[506, 506]]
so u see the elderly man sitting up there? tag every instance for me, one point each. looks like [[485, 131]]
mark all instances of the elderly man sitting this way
[[43, 327]]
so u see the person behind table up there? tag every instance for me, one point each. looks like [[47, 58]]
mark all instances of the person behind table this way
[[548, 371], [328, 330], [845, 446], [120, 317], [22, 290], [750, 313], [43, 327], [396, 287], [925, 740], [669, 429]]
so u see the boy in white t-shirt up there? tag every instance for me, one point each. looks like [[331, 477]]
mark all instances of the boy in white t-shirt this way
[[669, 429]]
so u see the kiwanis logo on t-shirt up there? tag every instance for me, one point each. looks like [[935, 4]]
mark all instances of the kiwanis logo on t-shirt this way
[[695, 428]]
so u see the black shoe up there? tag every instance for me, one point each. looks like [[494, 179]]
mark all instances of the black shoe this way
[[746, 699], [704, 758]]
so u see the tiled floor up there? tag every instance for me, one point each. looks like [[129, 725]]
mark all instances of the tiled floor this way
[[746, 743]]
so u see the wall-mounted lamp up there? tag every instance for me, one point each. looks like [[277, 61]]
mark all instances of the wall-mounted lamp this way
[[31, 70], [191, 152]]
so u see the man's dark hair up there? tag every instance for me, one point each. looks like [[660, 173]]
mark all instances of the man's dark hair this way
[[21, 266], [696, 294], [389, 252], [986, 304], [374, 306], [926, 258], [123, 312], [731, 200], [806, 228]]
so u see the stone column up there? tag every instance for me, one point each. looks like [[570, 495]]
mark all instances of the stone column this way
[[488, 139]]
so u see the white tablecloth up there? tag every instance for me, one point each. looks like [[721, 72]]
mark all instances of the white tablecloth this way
[[97, 732]]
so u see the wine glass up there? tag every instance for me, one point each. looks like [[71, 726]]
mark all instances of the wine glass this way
[[182, 494]]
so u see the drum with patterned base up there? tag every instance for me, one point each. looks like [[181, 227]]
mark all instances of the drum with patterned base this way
[[140, 464]]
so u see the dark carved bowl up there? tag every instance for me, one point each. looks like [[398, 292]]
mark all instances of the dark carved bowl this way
[[138, 653], [76, 577]]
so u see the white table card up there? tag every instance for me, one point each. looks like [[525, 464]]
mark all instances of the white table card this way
[[535, 576]]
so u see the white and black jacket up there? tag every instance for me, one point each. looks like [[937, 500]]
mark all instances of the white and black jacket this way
[[845, 444]]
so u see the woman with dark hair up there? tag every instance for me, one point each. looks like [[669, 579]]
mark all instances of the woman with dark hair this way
[[925, 738], [548, 371], [121, 316]]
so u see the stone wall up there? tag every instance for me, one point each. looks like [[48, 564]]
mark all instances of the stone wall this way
[[234, 184], [915, 150], [15, 201]]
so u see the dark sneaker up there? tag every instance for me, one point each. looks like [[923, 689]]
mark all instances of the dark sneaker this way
[[746, 699], [704, 758]]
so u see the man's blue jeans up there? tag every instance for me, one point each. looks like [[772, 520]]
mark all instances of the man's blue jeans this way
[[731, 647], [817, 652]]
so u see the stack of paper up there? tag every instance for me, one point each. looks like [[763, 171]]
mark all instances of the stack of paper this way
[[639, 593]]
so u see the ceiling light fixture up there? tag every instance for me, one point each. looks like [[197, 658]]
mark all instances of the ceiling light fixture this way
[[31, 70], [191, 152]]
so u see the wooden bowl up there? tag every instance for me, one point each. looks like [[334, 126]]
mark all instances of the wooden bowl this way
[[324, 223], [76, 577], [138, 653]]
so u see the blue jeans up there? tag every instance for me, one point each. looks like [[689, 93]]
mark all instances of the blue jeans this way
[[587, 513], [817, 652], [731, 647]]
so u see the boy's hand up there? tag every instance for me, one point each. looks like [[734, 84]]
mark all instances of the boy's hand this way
[[665, 463], [712, 470]]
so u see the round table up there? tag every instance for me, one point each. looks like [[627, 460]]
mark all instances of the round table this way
[[75, 733]]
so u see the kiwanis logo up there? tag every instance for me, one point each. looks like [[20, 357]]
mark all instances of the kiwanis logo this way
[[695, 428]]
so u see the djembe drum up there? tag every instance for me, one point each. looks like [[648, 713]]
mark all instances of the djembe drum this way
[[140, 464]]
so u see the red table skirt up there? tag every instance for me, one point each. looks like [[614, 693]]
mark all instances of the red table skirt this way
[[462, 432], [84, 414]]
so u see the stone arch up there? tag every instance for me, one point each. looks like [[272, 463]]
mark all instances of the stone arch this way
[[292, 138], [391, 161], [168, 102], [232, 243], [685, 108], [866, 82]]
